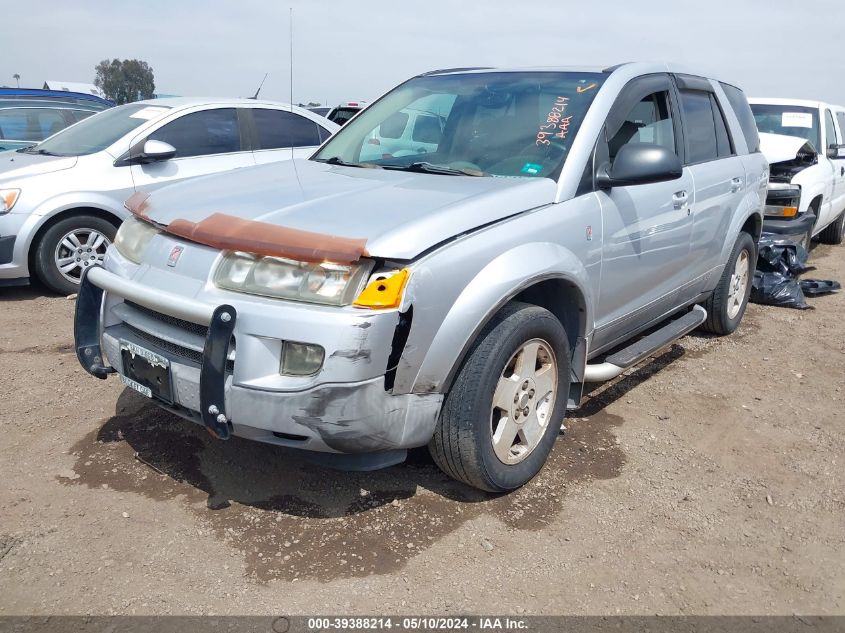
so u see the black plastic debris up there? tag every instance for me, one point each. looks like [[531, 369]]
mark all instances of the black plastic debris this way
[[780, 261]]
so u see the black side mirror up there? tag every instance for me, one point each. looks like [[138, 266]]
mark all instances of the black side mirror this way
[[640, 164], [835, 151]]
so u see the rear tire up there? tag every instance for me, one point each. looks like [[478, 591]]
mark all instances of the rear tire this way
[[726, 306], [501, 418], [834, 233], [69, 247]]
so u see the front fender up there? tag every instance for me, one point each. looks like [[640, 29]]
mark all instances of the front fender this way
[[495, 284], [56, 206]]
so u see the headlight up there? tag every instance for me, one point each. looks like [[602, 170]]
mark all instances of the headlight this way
[[326, 283], [783, 202], [8, 198], [133, 237]]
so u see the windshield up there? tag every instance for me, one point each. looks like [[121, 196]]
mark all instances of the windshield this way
[[97, 132], [516, 124], [789, 120]]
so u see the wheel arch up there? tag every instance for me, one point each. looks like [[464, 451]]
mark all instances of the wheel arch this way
[[557, 281], [54, 218]]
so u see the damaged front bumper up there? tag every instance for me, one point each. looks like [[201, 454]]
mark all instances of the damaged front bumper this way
[[211, 358]]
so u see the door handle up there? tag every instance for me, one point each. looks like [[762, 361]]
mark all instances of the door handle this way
[[842, 173], [680, 199], [736, 184]]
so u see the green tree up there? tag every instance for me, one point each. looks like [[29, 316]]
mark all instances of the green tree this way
[[125, 81]]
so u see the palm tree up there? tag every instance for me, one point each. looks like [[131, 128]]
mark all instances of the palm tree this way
[[17, 78]]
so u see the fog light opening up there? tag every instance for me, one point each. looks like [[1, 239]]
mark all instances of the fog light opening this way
[[301, 359]]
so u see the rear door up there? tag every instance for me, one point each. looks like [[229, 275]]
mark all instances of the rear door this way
[[646, 228], [282, 135], [718, 174], [207, 141]]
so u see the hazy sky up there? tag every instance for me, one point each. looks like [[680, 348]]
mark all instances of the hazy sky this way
[[357, 50]]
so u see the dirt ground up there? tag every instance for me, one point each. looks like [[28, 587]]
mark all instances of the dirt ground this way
[[710, 480]]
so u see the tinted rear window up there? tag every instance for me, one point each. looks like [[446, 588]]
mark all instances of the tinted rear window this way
[[699, 126], [280, 128], [746, 117]]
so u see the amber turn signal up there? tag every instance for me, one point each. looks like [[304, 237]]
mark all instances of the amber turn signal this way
[[385, 291]]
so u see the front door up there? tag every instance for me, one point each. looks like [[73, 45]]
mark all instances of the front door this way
[[206, 142], [646, 228]]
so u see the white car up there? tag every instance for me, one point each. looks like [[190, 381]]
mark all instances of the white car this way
[[61, 201], [803, 142]]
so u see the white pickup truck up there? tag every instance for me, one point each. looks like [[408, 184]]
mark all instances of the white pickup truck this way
[[803, 142]]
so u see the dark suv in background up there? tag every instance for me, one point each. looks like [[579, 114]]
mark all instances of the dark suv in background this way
[[28, 116]]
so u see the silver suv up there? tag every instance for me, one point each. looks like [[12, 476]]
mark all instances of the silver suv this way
[[459, 296]]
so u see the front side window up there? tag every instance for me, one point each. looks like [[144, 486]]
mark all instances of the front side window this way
[[790, 120], [98, 132], [509, 124], [829, 129], [202, 133], [649, 121], [280, 128], [699, 126]]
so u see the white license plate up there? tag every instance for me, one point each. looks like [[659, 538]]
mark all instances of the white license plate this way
[[151, 357], [137, 386]]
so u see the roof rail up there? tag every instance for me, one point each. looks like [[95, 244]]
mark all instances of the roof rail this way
[[453, 70], [610, 69]]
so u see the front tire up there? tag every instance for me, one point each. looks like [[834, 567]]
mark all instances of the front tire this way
[[726, 306], [68, 248], [834, 233], [503, 413]]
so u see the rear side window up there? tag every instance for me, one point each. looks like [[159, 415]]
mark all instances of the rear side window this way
[[280, 128], [723, 138], [739, 103], [30, 124], [323, 132], [699, 126], [202, 133]]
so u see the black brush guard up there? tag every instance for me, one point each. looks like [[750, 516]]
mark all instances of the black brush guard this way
[[86, 333]]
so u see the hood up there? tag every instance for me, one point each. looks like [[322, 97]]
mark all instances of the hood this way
[[778, 148], [17, 165], [399, 214]]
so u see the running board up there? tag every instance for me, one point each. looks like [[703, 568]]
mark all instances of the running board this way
[[645, 347]]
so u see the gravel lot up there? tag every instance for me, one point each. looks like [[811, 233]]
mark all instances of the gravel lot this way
[[710, 480]]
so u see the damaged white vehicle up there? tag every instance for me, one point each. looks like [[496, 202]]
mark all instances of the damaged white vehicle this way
[[803, 142], [456, 288]]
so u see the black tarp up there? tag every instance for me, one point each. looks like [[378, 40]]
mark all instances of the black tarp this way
[[780, 262]]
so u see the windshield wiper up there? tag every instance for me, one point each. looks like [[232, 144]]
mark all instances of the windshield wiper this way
[[34, 150], [431, 168], [337, 160]]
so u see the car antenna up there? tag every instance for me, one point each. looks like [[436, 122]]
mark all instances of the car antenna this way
[[260, 86]]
